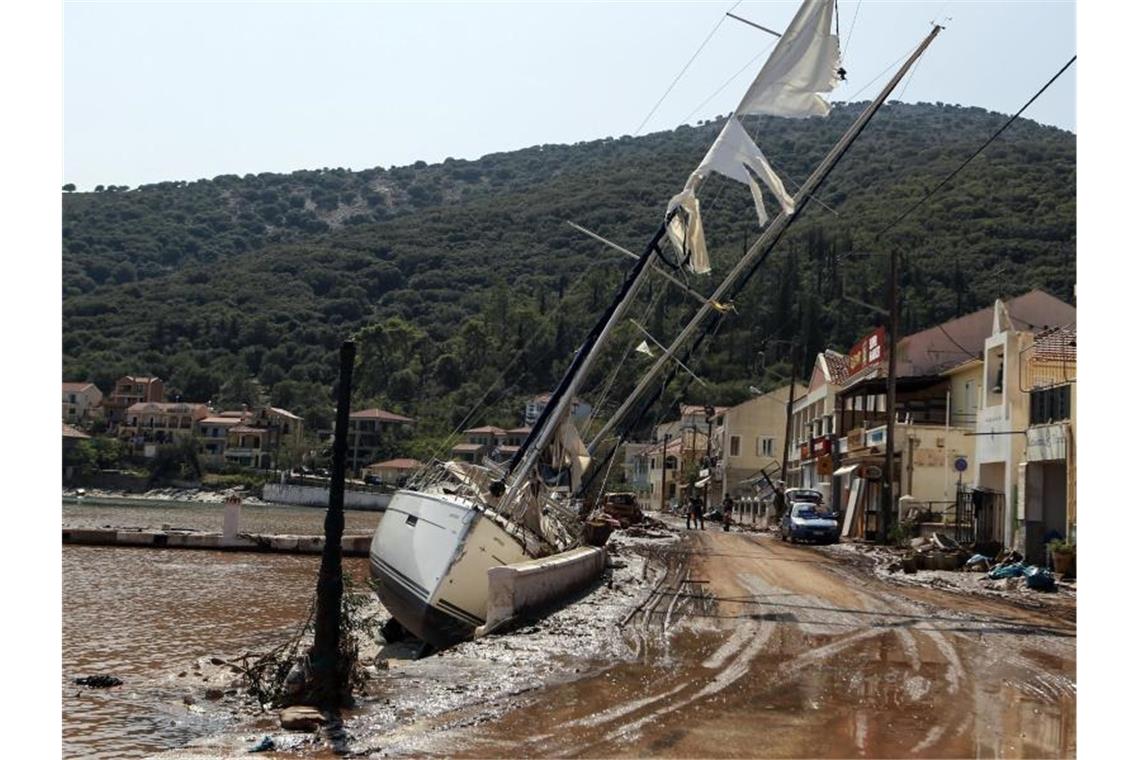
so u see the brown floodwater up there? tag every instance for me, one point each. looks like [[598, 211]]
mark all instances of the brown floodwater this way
[[147, 615]]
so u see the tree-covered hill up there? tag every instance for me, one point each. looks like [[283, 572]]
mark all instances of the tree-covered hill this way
[[463, 279]]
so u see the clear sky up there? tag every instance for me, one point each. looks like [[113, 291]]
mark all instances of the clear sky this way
[[163, 91]]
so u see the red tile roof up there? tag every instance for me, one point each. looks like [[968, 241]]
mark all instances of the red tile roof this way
[[379, 414], [70, 432], [837, 365], [398, 464], [519, 431], [466, 447], [491, 429], [76, 387], [284, 413], [699, 409]]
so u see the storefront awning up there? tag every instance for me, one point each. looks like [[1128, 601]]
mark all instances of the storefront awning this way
[[845, 470], [701, 483]]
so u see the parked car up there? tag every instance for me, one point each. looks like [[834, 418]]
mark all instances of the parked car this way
[[808, 521]]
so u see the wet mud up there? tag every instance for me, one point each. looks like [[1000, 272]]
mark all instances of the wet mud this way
[[718, 644]]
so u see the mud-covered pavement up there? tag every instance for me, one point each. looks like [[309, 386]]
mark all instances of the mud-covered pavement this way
[[735, 644]]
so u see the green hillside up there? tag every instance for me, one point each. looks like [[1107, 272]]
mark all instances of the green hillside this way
[[462, 279]]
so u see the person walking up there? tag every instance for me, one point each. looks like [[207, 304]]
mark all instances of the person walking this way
[[778, 500], [696, 512], [726, 511]]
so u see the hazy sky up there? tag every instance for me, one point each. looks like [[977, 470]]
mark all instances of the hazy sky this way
[[162, 91]]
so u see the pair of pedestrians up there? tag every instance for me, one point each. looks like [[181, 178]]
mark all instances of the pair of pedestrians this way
[[695, 515]]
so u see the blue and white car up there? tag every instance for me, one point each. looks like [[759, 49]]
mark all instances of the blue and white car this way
[[808, 521]]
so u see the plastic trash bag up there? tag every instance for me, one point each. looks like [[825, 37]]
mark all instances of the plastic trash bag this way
[[977, 559], [1039, 578], [1007, 571]]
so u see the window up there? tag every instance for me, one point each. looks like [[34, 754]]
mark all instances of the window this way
[[734, 446], [1049, 405], [768, 445]]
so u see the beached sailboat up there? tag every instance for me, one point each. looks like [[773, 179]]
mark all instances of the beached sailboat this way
[[431, 552]]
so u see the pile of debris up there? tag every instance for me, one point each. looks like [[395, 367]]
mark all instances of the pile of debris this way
[[936, 552], [1003, 569]]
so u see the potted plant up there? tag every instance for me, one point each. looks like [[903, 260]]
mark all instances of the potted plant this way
[[1064, 557]]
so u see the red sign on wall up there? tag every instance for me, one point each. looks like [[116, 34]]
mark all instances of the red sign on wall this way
[[821, 446], [870, 350]]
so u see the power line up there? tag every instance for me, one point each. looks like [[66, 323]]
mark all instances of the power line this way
[[683, 70], [975, 154]]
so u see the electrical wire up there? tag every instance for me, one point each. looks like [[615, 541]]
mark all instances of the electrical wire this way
[[976, 153], [681, 73]]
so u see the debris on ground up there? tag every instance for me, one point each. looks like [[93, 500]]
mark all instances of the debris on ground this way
[[265, 745], [1001, 573], [302, 718], [99, 682]]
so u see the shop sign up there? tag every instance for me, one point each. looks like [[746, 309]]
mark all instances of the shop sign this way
[[855, 439], [871, 472], [821, 446], [877, 436], [870, 350], [805, 452], [824, 466]]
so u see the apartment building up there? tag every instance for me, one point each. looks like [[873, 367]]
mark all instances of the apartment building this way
[[82, 403], [128, 391]]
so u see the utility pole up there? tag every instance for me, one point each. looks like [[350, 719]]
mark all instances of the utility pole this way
[[329, 686], [664, 446], [788, 426], [887, 507], [710, 412]]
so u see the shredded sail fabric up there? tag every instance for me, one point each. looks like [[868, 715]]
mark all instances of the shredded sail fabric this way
[[575, 450], [688, 236], [804, 63], [735, 156], [645, 349]]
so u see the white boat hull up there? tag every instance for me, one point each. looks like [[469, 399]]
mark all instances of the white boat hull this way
[[429, 557]]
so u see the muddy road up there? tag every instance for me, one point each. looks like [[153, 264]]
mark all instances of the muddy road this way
[[748, 647]]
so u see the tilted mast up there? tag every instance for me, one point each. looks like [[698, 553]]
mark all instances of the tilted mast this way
[[766, 241]]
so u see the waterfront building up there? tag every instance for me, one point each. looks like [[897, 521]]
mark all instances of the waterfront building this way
[[128, 391], [147, 425], [81, 403], [213, 433], [372, 434], [263, 437]]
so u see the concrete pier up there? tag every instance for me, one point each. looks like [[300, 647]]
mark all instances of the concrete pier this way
[[352, 546]]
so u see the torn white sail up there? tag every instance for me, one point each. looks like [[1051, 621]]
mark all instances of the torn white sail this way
[[574, 450], [735, 156], [803, 64]]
